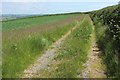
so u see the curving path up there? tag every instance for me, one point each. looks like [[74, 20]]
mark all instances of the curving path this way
[[44, 60]]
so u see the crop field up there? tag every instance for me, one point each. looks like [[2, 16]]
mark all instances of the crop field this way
[[32, 21], [77, 45]]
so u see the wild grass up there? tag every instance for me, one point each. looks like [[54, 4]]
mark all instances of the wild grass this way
[[18, 54], [73, 53]]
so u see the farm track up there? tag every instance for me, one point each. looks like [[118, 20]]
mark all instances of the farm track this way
[[45, 60], [94, 67]]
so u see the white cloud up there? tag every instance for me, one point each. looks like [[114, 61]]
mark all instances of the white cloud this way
[[60, 0]]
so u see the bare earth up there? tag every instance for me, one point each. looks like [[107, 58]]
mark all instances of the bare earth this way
[[46, 59]]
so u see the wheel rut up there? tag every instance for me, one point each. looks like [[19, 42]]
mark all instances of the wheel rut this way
[[94, 67]]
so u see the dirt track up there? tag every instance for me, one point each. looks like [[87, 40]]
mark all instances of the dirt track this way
[[46, 59]]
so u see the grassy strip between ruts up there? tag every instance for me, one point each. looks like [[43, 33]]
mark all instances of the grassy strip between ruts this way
[[18, 54], [73, 53]]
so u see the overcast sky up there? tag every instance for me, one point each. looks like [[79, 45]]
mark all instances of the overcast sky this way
[[60, 0], [53, 6]]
